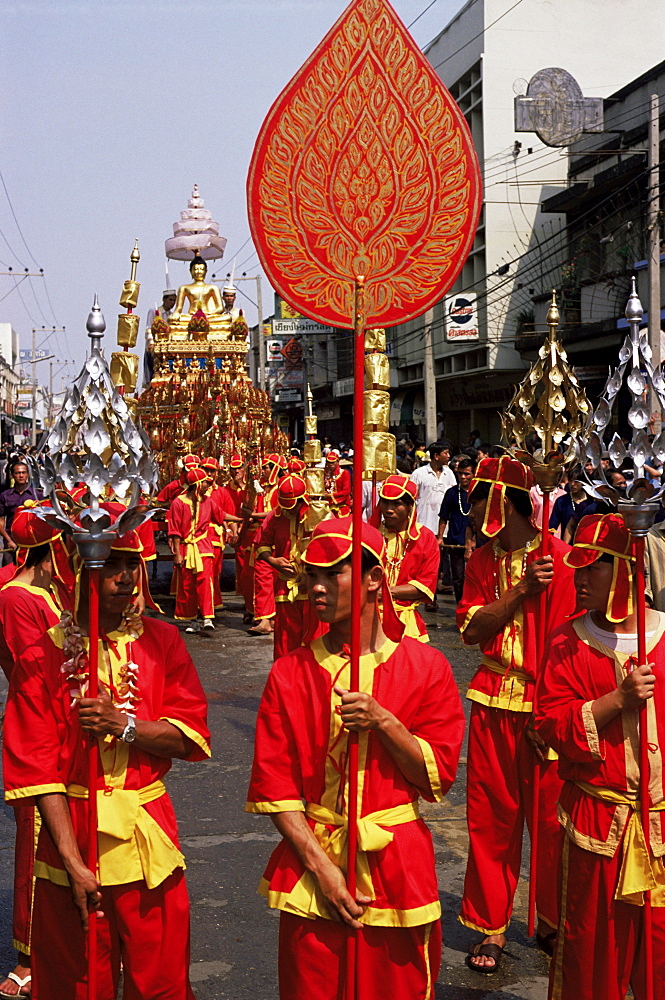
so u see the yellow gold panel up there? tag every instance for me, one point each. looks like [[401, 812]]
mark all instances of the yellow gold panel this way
[[311, 452], [375, 339], [377, 371], [311, 425], [379, 454], [128, 329], [125, 369], [376, 409], [130, 295]]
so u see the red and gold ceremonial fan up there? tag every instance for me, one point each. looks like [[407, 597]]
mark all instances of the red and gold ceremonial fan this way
[[364, 194]]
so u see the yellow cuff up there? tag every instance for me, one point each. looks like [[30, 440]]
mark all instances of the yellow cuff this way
[[30, 790], [432, 769], [285, 805], [190, 733], [591, 730]]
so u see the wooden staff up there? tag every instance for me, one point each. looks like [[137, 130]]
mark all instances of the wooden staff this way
[[93, 766], [356, 584]]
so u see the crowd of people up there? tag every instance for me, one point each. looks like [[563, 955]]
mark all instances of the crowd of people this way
[[555, 699]]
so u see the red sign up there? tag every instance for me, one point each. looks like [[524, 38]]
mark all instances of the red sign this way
[[292, 351]]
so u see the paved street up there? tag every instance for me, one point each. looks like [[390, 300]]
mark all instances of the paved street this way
[[234, 935]]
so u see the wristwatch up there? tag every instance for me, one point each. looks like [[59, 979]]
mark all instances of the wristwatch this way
[[129, 732]]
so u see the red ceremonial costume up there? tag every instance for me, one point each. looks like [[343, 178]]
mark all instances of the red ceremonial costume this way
[[26, 614], [144, 898], [281, 535], [605, 867], [189, 520], [221, 502], [500, 761], [412, 556], [300, 764], [264, 575], [338, 484]]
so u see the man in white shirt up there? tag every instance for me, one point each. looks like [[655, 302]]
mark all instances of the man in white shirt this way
[[433, 480]]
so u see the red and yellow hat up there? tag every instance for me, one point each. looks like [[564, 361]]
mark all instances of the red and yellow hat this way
[[394, 488], [332, 541], [332, 456], [195, 475], [499, 473], [210, 463], [236, 462], [295, 466], [191, 461], [291, 489], [277, 463], [29, 531], [607, 534]]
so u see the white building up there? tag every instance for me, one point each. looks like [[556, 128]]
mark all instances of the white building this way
[[9, 383], [485, 56]]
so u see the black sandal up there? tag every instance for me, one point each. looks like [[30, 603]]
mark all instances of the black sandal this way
[[494, 951]]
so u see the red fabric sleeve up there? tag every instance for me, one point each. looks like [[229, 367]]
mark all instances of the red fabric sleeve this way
[[440, 722], [266, 533], [184, 700], [561, 693], [178, 518], [476, 592], [24, 618], [276, 776], [428, 570], [32, 743]]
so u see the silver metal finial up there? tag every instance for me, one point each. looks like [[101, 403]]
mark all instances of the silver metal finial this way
[[96, 323], [634, 311]]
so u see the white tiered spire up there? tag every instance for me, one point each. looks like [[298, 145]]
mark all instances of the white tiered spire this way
[[195, 232]]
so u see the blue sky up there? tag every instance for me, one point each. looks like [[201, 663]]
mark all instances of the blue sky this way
[[110, 110]]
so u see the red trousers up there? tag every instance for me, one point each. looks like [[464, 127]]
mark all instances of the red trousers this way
[[500, 768], [217, 599], [147, 930], [24, 863], [194, 592], [393, 963], [599, 950], [245, 577], [264, 589]]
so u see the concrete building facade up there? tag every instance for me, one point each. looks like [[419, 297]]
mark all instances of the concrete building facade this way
[[485, 56]]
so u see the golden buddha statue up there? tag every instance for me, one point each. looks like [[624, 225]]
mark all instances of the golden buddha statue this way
[[198, 294]]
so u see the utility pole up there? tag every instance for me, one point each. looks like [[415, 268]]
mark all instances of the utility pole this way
[[33, 361], [262, 339], [429, 380], [654, 238]]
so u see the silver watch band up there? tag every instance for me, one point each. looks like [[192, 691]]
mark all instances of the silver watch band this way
[[129, 732]]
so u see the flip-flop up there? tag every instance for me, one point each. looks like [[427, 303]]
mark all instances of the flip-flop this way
[[20, 983], [494, 951]]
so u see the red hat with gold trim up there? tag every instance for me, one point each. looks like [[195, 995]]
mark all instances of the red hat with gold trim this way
[[277, 463], [332, 541], [607, 534], [332, 456], [191, 461], [210, 463], [29, 531], [291, 489], [295, 466], [236, 462], [195, 476], [396, 487], [500, 473]]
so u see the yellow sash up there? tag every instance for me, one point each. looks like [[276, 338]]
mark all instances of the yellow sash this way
[[371, 836], [640, 870], [193, 559], [498, 668], [129, 837]]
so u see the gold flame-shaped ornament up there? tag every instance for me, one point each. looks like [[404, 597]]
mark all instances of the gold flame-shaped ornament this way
[[364, 166], [551, 404]]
